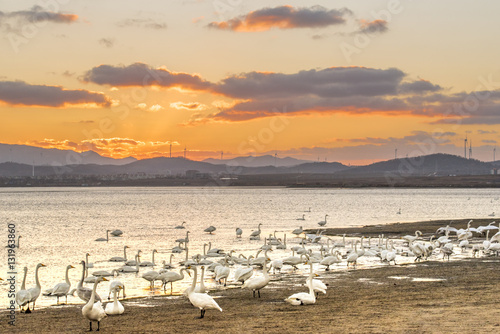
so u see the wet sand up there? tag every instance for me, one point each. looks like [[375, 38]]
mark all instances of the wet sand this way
[[457, 297]]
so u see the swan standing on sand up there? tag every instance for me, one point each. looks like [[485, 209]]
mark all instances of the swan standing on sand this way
[[201, 300], [23, 296], [35, 291], [83, 292], [115, 307], [104, 239], [239, 232], [62, 289], [94, 311], [304, 298], [257, 283]]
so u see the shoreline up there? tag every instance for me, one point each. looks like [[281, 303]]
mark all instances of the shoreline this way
[[424, 297]]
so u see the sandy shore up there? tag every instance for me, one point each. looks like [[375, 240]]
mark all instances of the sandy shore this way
[[430, 297]]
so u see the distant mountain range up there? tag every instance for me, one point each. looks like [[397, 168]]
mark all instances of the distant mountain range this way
[[49, 162], [258, 161], [38, 156]]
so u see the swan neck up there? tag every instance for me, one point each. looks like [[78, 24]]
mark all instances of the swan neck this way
[[80, 284], [195, 277], [36, 278], [125, 253], [67, 275], [23, 287], [92, 297]]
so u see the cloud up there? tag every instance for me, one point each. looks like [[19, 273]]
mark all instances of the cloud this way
[[37, 14], [107, 42], [484, 132], [142, 23], [188, 106], [327, 83], [376, 26], [139, 74], [22, 93], [419, 87], [489, 141], [153, 108], [115, 147], [284, 17], [15, 22]]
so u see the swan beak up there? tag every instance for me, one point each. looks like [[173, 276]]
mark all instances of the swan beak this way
[[189, 273], [316, 275], [72, 267], [43, 265], [105, 279]]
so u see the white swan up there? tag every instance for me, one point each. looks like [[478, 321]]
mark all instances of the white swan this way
[[83, 292], [168, 265], [222, 273], [257, 283], [115, 307], [410, 238], [23, 296], [298, 231], [171, 277], [239, 232], [147, 263], [304, 298], [256, 234], [135, 260], [35, 291], [104, 239], [210, 229], [151, 276], [201, 300], [62, 289], [244, 273], [303, 217], [117, 233], [120, 258], [117, 286], [181, 226], [323, 222], [130, 269], [94, 311], [353, 256]]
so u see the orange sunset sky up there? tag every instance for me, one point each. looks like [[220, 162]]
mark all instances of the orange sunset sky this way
[[347, 81]]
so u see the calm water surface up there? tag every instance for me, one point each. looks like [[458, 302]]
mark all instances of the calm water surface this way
[[59, 225]]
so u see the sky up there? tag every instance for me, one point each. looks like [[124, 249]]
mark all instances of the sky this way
[[348, 81]]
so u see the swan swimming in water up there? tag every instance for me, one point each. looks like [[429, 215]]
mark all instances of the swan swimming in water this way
[[104, 239], [94, 311]]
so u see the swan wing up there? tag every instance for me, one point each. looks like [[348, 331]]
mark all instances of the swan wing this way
[[203, 301]]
